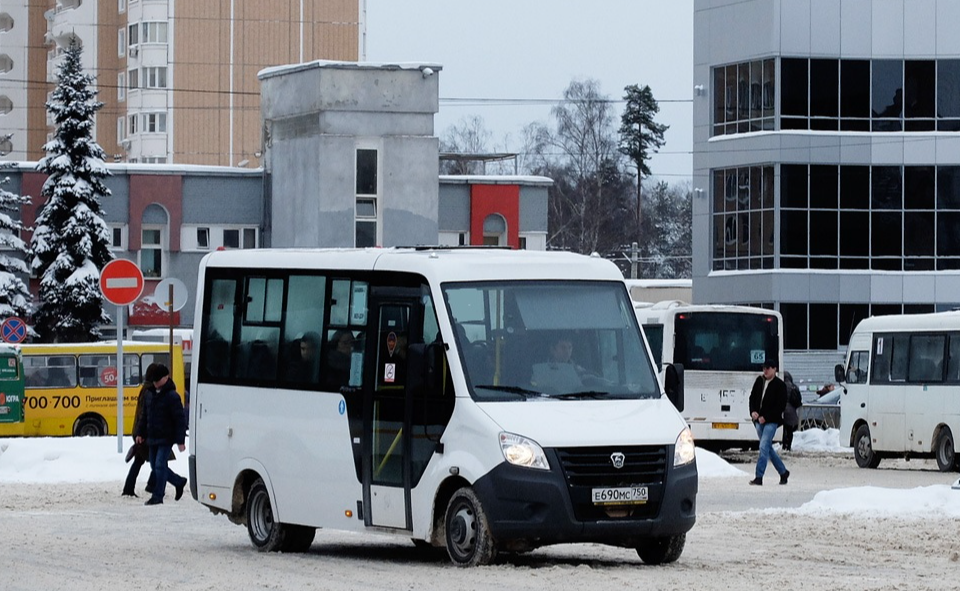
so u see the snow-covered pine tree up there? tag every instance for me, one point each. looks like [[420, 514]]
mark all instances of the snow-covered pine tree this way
[[14, 294], [71, 241]]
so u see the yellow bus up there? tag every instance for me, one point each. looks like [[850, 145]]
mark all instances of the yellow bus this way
[[71, 388]]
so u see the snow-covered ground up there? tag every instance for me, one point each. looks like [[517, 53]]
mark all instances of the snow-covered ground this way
[[95, 459], [834, 527]]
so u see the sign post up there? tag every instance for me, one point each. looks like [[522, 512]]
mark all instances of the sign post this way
[[171, 295], [13, 330], [121, 283]]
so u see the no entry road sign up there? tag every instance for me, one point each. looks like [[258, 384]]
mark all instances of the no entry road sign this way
[[121, 282]]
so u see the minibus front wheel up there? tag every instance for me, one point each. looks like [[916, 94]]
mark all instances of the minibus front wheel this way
[[945, 451], [269, 535], [467, 530], [863, 448], [662, 550]]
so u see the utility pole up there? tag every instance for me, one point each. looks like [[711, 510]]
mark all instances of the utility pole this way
[[634, 259]]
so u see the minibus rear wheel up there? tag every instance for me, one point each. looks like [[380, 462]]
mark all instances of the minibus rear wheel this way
[[467, 531], [863, 449], [269, 535], [945, 451], [662, 550], [89, 426]]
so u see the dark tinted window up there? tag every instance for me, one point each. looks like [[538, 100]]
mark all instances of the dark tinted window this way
[[724, 341], [793, 185], [948, 88], [918, 185], [887, 88], [887, 187], [919, 88], [823, 186], [824, 88], [855, 89], [793, 87]]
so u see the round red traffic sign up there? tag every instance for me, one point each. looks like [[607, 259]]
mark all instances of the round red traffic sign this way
[[121, 282]]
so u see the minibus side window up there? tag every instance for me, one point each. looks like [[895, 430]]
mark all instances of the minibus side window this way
[[218, 328], [891, 352], [953, 359], [303, 327], [926, 358], [859, 367]]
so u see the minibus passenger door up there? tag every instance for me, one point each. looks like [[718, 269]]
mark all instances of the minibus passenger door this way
[[386, 439]]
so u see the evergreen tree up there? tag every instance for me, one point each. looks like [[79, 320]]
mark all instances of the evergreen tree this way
[[14, 294], [640, 135], [71, 241]]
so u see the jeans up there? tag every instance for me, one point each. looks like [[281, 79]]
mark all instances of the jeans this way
[[159, 456], [765, 432]]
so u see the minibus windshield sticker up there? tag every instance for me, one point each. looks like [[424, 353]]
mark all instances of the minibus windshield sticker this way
[[358, 305], [880, 346], [757, 355], [390, 373]]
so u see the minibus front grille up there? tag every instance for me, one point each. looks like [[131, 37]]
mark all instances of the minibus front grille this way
[[586, 468]]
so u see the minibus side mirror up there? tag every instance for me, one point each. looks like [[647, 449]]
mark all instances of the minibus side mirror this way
[[673, 384], [839, 374]]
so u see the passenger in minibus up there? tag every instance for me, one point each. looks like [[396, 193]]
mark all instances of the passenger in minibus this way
[[304, 367], [337, 371]]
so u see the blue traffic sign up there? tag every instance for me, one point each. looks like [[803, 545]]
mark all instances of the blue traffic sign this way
[[13, 330]]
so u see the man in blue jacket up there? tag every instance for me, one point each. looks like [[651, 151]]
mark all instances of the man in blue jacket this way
[[767, 402], [165, 425]]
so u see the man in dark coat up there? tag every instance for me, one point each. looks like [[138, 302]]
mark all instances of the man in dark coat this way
[[165, 425], [767, 402]]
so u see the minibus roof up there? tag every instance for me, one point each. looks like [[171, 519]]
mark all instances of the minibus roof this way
[[938, 321], [436, 264]]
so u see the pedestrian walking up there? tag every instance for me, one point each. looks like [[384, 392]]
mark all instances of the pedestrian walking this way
[[164, 427], [768, 398]]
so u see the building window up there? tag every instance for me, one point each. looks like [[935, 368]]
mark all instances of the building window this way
[[151, 251], [366, 227], [153, 32], [121, 129], [743, 218], [134, 34], [121, 86], [240, 238], [133, 79], [154, 123], [155, 77], [743, 97], [134, 128], [121, 6], [121, 42], [118, 237], [203, 238], [882, 218]]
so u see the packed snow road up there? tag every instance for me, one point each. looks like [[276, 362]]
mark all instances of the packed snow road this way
[[84, 536]]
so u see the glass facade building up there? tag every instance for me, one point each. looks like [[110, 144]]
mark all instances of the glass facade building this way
[[827, 160]]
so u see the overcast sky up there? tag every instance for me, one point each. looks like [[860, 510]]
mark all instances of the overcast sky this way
[[497, 50]]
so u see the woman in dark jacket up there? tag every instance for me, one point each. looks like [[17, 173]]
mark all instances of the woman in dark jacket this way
[[791, 420], [142, 453], [165, 425]]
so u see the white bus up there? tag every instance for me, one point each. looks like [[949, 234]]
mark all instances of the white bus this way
[[430, 407], [902, 382], [721, 350]]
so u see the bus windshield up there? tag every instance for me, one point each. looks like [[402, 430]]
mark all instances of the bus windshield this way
[[568, 340], [725, 341]]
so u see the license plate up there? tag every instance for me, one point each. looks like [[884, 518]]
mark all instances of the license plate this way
[[628, 495], [726, 426]]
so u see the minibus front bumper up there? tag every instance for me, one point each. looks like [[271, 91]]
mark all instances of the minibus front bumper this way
[[540, 507]]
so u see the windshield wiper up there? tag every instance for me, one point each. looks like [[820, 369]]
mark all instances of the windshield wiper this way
[[579, 395], [511, 390]]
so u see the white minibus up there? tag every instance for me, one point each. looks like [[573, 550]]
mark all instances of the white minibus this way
[[479, 400], [902, 389], [721, 350]]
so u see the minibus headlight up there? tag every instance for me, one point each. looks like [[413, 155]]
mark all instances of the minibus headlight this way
[[684, 450], [521, 451]]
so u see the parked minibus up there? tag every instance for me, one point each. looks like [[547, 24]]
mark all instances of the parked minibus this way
[[70, 389], [722, 350], [902, 389], [478, 400]]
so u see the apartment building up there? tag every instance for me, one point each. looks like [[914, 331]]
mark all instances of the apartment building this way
[[178, 79], [827, 160]]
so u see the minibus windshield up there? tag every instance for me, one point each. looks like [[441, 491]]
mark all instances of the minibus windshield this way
[[562, 340]]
